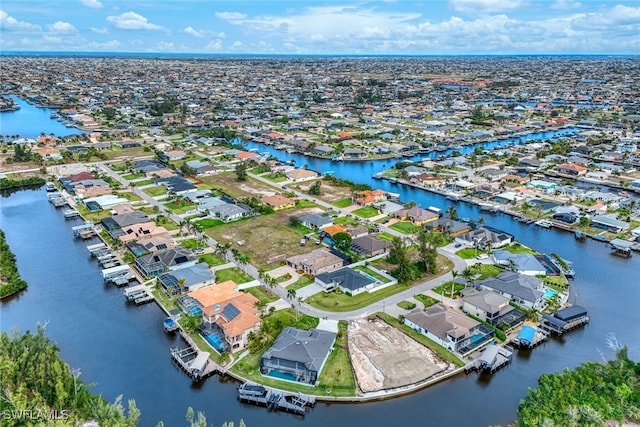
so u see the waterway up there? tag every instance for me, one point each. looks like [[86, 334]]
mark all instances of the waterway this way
[[30, 121], [123, 349]]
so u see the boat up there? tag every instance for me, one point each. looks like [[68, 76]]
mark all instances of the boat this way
[[580, 235], [50, 186], [544, 223], [621, 247], [600, 237]]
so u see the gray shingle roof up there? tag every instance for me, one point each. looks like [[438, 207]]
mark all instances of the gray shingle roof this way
[[308, 347]]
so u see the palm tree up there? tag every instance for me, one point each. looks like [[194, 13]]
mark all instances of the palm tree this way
[[181, 285], [467, 274]]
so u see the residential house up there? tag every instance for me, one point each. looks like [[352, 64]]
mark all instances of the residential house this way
[[417, 215], [448, 327], [354, 153], [315, 221], [48, 154], [490, 307], [297, 175], [369, 197], [610, 223], [349, 281], [104, 202], [228, 315], [526, 291], [429, 180], [316, 262], [161, 262], [141, 231], [571, 169], [493, 174], [229, 212], [482, 236], [451, 226], [177, 184], [369, 246], [526, 264], [186, 279], [278, 202], [298, 354]]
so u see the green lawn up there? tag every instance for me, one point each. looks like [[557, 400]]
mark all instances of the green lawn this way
[[343, 203], [263, 294], [302, 229], [278, 177], [372, 273], [405, 227], [304, 204], [385, 236], [211, 259], [339, 302], [366, 212], [517, 248], [131, 176], [469, 253], [189, 243], [179, 206], [234, 274], [487, 270], [207, 223], [445, 289], [142, 182], [442, 352], [345, 220], [426, 300], [557, 282], [407, 305], [303, 281], [156, 191]]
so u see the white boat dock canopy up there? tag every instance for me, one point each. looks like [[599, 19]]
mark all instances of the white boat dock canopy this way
[[199, 364], [622, 244]]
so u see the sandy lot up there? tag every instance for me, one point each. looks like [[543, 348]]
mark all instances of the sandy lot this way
[[385, 358]]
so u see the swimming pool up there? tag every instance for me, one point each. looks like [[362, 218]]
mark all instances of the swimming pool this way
[[549, 293], [282, 375], [215, 341]]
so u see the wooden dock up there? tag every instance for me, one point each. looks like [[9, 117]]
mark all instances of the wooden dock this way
[[492, 358], [256, 394], [138, 294]]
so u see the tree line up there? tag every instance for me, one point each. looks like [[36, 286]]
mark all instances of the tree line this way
[[10, 280]]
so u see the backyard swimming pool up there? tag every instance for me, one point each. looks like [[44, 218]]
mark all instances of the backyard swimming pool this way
[[550, 293]]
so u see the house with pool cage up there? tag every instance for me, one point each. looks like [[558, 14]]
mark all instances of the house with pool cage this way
[[298, 355]]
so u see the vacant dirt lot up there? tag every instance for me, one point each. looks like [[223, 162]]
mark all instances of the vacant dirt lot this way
[[329, 193], [385, 358]]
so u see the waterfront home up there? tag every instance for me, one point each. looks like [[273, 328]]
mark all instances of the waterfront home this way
[[144, 231], [115, 223], [354, 153], [538, 184], [369, 197], [635, 185], [610, 223], [369, 246], [417, 215], [186, 279], [448, 327], [315, 262], [491, 307], [315, 221], [571, 169], [526, 264], [228, 315], [104, 202], [451, 226], [298, 355], [297, 175], [480, 237], [429, 180], [160, 262], [278, 202], [526, 291]]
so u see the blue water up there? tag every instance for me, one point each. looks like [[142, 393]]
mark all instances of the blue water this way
[[282, 375], [475, 338], [215, 341], [30, 121], [549, 293]]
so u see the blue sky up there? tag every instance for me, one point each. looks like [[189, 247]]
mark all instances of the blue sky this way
[[323, 27]]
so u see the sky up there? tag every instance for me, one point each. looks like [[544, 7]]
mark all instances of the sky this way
[[384, 27]]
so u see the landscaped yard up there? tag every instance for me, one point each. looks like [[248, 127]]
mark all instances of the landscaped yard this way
[[156, 191], [234, 274], [385, 236], [405, 227], [263, 294], [366, 212], [469, 253], [343, 203], [517, 248], [304, 280], [345, 220], [446, 288], [207, 223], [141, 182], [407, 305], [211, 259], [179, 206], [338, 302], [486, 270], [426, 300]]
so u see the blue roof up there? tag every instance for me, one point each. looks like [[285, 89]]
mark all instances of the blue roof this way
[[527, 333]]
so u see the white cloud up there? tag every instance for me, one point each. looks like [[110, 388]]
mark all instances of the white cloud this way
[[214, 45], [132, 21], [165, 47], [61, 28], [231, 16], [486, 6], [566, 5], [195, 33], [92, 3], [99, 30], [9, 23], [111, 45]]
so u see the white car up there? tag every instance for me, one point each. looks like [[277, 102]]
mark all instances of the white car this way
[[482, 256]]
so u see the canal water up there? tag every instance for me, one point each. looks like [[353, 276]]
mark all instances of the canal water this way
[[122, 349], [30, 121]]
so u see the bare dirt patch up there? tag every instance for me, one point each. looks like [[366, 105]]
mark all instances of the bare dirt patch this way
[[329, 193], [385, 358]]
